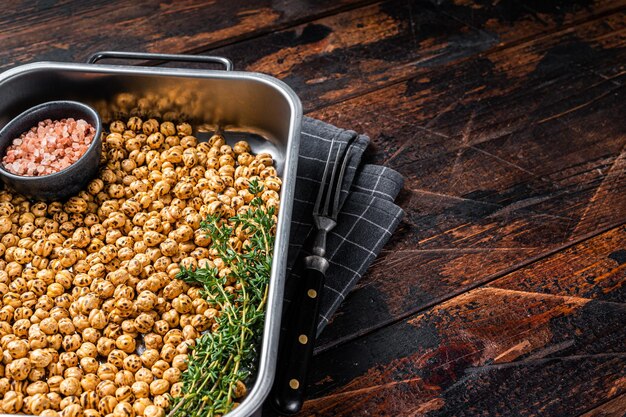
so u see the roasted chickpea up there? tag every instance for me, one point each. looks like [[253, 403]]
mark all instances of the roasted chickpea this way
[[126, 343], [153, 341], [89, 399], [162, 401], [140, 405], [70, 386], [144, 322], [12, 402], [180, 361], [134, 123], [174, 336], [90, 381], [91, 335], [168, 352], [89, 364], [123, 409], [105, 346], [188, 141], [18, 348], [106, 388], [107, 404], [71, 343], [107, 372], [141, 389], [176, 390], [172, 375], [159, 386], [72, 410], [40, 358], [124, 378], [37, 403], [154, 411], [116, 357], [125, 393], [18, 369], [149, 357], [144, 375], [146, 301]]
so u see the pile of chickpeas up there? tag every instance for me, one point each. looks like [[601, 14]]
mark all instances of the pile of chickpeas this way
[[93, 322]]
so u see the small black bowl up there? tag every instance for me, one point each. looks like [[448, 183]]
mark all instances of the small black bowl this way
[[62, 184]]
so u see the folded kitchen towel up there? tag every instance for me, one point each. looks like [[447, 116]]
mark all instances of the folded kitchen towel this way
[[366, 220]]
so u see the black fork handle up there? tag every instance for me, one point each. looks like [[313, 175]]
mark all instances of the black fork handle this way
[[298, 338]]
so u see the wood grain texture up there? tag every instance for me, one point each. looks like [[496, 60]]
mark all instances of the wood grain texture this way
[[615, 407], [491, 351], [347, 54], [500, 168], [72, 30], [594, 269]]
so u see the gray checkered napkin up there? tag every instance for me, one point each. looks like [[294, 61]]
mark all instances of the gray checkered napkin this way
[[366, 220]]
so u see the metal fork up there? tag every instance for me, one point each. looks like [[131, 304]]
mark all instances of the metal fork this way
[[299, 333], [325, 216]]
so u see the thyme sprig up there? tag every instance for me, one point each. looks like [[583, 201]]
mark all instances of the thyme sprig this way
[[224, 359]]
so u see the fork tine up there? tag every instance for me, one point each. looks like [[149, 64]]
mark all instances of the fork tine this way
[[332, 182], [320, 192], [339, 181]]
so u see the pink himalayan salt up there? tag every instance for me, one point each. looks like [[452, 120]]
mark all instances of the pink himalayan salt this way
[[49, 147]]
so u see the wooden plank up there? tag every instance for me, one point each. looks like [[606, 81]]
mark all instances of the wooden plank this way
[[515, 390], [507, 158], [612, 408], [496, 17], [347, 54], [594, 269], [72, 30], [444, 360], [490, 350], [326, 60], [527, 388]]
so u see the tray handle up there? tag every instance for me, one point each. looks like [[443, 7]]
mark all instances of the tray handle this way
[[228, 64]]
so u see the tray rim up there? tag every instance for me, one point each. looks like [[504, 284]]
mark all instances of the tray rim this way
[[269, 345]]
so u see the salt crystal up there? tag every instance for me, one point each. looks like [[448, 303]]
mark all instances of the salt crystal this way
[[37, 151]]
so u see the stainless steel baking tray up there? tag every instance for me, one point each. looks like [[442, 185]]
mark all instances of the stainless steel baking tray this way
[[256, 105]]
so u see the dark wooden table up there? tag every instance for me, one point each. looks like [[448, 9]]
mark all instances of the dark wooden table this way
[[502, 293]]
